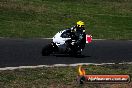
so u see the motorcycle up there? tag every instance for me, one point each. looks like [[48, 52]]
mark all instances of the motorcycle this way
[[66, 45]]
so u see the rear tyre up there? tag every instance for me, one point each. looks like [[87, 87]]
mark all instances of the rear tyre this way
[[75, 51]]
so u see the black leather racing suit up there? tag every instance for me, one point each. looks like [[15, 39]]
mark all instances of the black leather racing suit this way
[[77, 34], [80, 36]]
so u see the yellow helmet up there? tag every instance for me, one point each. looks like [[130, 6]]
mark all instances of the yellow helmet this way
[[80, 24]]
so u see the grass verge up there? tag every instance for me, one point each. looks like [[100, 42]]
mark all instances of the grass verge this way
[[109, 19], [60, 77]]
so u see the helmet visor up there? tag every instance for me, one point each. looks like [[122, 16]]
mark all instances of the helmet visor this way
[[80, 26]]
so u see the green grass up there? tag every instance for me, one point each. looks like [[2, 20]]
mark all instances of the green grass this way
[[109, 19], [60, 77]]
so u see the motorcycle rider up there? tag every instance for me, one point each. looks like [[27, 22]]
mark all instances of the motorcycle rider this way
[[76, 33], [79, 31]]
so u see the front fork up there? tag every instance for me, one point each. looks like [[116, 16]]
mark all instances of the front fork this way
[[55, 47]]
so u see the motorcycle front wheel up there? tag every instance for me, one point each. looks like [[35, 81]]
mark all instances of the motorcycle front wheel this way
[[47, 50]]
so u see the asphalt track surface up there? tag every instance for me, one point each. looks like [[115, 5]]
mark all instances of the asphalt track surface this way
[[27, 52]]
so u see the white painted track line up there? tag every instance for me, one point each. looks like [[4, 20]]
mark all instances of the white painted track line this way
[[92, 39], [59, 65]]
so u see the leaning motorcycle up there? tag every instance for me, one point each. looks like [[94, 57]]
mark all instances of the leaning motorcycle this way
[[67, 45]]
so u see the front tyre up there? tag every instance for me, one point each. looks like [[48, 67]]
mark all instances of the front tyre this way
[[47, 50]]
